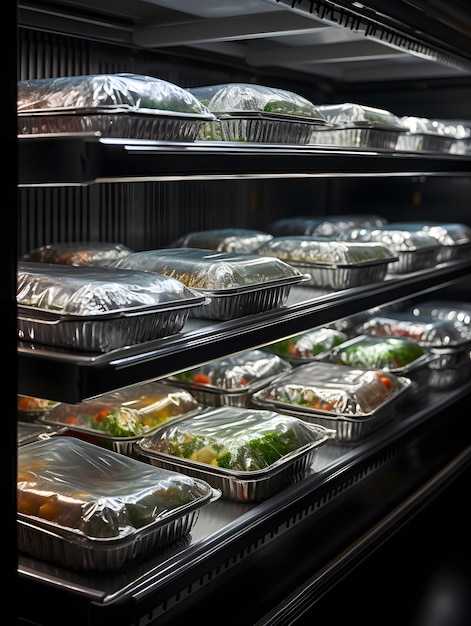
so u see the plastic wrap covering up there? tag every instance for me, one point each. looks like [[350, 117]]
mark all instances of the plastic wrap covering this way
[[359, 125], [78, 253], [98, 308], [116, 105], [425, 134], [330, 263], [450, 343], [354, 401], [239, 240], [88, 508], [256, 113], [414, 249], [323, 226], [454, 238], [233, 379], [389, 353], [247, 453], [236, 284], [350, 113], [116, 420], [30, 408], [429, 332], [27, 432], [305, 347], [400, 355]]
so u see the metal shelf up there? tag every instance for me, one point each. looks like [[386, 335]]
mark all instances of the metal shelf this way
[[73, 376], [406, 463], [54, 160]]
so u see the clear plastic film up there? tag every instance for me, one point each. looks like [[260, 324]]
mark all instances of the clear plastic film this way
[[246, 97], [78, 253], [331, 388], [235, 372], [209, 269], [86, 291], [128, 412], [98, 493], [239, 240], [127, 91], [237, 439]]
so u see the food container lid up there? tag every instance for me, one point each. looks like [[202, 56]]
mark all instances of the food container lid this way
[[425, 126], [224, 240], [391, 353], [348, 115], [321, 251], [78, 253], [396, 239], [210, 270], [234, 373], [72, 485], [126, 413], [427, 331], [246, 99], [322, 226], [62, 290], [232, 439], [447, 234], [308, 345], [329, 388], [108, 92]]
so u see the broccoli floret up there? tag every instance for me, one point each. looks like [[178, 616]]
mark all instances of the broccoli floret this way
[[225, 460], [263, 451]]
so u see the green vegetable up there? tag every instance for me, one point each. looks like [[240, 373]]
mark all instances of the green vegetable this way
[[284, 107], [388, 352], [257, 453], [260, 452], [121, 422]]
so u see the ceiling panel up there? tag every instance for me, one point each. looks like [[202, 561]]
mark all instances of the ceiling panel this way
[[368, 46]]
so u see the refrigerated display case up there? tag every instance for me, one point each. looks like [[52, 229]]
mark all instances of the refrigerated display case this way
[[280, 558]]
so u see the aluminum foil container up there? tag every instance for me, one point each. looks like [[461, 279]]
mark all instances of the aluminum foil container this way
[[248, 454], [449, 377], [448, 342], [330, 263], [114, 105], [30, 408], [323, 226], [231, 380], [98, 308], [235, 284], [117, 420], [255, 113], [414, 250], [400, 355], [86, 508], [358, 125], [425, 134], [307, 346], [353, 401], [454, 238], [239, 240], [78, 253]]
